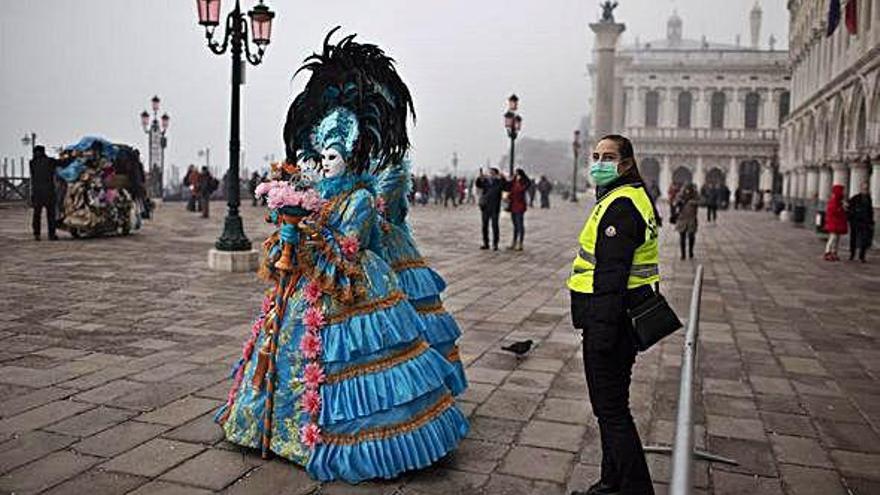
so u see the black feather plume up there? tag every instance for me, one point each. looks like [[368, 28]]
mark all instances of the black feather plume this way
[[362, 78]]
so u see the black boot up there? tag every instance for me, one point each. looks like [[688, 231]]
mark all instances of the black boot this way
[[599, 488]]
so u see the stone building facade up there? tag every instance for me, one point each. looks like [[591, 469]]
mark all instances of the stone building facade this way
[[702, 112], [832, 135]]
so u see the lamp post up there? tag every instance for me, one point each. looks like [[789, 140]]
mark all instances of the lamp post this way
[[30, 140], [235, 38], [576, 149], [155, 129], [513, 124]]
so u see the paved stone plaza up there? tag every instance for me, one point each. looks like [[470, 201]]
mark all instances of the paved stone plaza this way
[[115, 352]]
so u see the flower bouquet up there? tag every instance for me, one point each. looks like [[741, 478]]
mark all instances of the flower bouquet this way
[[290, 197]]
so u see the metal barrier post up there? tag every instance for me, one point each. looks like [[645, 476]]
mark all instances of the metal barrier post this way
[[682, 450]]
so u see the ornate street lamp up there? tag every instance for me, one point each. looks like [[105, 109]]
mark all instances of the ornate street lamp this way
[[155, 130], [513, 124], [576, 149], [30, 140], [236, 35]]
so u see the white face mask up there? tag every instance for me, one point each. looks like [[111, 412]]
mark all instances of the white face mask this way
[[332, 163]]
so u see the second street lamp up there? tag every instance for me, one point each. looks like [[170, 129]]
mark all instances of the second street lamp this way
[[156, 144], [513, 124], [235, 38], [575, 148]]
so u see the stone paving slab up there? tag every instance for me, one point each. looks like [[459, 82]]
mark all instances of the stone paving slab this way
[[115, 352]]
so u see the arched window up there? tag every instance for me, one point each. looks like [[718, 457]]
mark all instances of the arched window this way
[[652, 108], [719, 101], [685, 102], [753, 103], [784, 105]]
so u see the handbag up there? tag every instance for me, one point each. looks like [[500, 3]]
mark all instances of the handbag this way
[[652, 320]]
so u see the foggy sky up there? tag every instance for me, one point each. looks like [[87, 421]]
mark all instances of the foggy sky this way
[[74, 67]]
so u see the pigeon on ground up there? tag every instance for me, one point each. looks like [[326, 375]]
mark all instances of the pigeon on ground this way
[[519, 348]]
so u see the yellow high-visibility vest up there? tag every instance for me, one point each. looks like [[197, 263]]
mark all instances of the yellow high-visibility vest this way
[[645, 265]]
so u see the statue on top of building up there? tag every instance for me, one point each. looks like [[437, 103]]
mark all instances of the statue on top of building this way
[[608, 10]]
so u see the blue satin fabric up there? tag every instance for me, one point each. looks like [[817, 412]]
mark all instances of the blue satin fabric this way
[[388, 397], [423, 287]]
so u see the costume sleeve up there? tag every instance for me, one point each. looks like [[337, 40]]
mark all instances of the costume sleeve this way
[[620, 232], [358, 216]]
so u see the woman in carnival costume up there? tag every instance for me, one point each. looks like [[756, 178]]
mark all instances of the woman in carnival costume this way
[[338, 374]]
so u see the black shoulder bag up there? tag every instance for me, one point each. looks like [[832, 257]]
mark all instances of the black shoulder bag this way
[[652, 320]]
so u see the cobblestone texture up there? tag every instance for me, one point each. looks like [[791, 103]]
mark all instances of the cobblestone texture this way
[[114, 352]]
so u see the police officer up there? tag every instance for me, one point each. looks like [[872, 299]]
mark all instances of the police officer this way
[[616, 265]]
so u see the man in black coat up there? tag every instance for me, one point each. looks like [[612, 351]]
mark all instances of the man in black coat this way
[[43, 191], [490, 188], [860, 213]]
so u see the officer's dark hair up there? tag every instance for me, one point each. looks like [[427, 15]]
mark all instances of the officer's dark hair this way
[[625, 149]]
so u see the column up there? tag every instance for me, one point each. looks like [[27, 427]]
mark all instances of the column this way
[[824, 183], [667, 112], [639, 108], [733, 174], [607, 34], [629, 118], [840, 174], [875, 183], [812, 184], [769, 114], [700, 172], [802, 185], [786, 189], [858, 175], [665, 176], [729, 105]]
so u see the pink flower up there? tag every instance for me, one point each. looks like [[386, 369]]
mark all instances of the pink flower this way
[[313, 374], [263, 188], [311, 401], [312, 292], [311, 200], [310, 345], [310, 435], [350, 246], [267, 305], [314, 318]]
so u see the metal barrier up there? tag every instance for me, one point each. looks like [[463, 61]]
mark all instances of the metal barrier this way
[[682, 449]]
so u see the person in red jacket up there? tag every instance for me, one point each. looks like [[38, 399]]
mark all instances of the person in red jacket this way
[[835, 222], [517, 189]]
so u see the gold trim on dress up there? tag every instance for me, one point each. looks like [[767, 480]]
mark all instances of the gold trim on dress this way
[[430, 308], [410, 352], [404, 264], [384, 432], [454, 354], [386, 302]]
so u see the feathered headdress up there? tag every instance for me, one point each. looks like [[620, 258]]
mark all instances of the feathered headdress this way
[[362, 80]]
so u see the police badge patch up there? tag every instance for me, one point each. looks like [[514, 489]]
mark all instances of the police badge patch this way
[[610, 231]]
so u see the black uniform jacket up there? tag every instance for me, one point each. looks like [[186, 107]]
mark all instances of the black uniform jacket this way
[[621, 231]]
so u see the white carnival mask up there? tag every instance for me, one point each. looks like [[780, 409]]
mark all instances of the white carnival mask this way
[[332, 163]]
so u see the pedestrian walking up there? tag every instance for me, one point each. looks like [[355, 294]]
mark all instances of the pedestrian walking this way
[[191, 181], [532, 191], [517, 196], [687, 207], [207, 184], [439, 187], [252, 187], [490, 187], [42, 169], [450, 191], [713, 197], [860, 214], [545, 187], [616, 266], [835, 222]]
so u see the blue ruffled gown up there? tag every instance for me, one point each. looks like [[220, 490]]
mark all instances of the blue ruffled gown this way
[[385, 401], [420, 282]]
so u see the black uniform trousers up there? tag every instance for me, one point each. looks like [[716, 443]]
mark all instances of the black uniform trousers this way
[[39, 205], [608, 363]]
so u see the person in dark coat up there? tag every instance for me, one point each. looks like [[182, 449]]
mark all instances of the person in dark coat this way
[[252, 187], [43, 191], [544, 188], [687, 208], [207, 184], [450, 191], [532, 191], [490, 187], [713, 197], [861, 223]]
